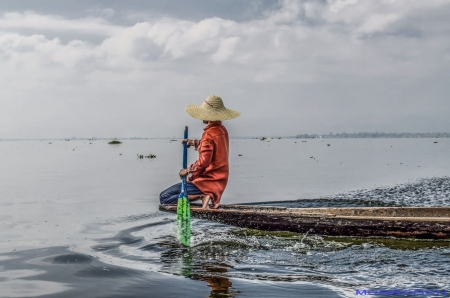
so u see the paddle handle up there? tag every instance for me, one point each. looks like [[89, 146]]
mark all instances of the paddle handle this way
[[183, 179], [185, 148]]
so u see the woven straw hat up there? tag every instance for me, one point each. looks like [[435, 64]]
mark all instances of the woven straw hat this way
[[212, 109]]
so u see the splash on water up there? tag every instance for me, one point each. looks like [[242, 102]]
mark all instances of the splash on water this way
[[220, 252], [423, 192]]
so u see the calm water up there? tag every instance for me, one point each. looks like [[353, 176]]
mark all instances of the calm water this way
[[81, 219]]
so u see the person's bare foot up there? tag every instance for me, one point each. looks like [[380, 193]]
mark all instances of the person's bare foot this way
[[205, 201], [215, 206]]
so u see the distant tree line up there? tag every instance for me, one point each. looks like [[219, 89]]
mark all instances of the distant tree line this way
[[360, 135]]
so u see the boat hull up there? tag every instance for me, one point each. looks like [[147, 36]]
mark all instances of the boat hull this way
[[398, 222]]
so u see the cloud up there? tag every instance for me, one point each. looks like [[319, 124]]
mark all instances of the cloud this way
[[301, 54], [379, 22], [35, 21], [226, 49]]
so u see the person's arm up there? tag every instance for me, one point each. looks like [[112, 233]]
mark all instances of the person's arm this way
[[204, 159]]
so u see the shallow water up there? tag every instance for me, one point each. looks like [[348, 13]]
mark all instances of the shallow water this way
[[80, 218]]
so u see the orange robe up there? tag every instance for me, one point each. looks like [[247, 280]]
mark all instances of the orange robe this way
[[210, 172]]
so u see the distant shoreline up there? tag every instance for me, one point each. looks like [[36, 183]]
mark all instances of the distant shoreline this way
[[360, 135], [374, 135]]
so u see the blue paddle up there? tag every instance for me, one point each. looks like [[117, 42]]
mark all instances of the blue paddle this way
[[183, 206]]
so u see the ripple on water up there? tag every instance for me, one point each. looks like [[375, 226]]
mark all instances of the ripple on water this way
[[71, 259], [222, 252], [423, 192]]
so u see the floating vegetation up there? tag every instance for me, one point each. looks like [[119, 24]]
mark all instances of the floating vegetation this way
[[240, 155], [173, 140], [115, 142], [49, 142], [141, 156]]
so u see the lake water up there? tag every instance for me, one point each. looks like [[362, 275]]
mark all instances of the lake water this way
[[81, 219]]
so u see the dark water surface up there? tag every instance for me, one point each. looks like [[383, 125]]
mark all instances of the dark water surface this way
[[81, 220]]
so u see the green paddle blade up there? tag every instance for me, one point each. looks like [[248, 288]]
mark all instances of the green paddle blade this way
[[184, 221]]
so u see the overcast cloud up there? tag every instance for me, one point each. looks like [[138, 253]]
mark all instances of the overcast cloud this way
[[108, 69]]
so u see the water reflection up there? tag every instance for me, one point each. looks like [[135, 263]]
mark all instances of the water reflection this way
[[58, 272], [20, 283], [223, 257], [220, 287], [219, 255], [196, 268]]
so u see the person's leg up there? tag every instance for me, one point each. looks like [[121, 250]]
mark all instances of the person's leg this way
[[170, 195], [193, 192], [206, 199]]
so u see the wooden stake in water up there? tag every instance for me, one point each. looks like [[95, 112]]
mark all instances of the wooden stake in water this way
[[183, 206]]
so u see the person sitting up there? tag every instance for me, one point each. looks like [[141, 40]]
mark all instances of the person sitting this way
[[208, 176]]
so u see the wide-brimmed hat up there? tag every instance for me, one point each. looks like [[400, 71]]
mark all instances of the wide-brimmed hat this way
[[212, 109]]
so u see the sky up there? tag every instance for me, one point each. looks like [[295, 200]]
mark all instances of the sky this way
[[129, 68]]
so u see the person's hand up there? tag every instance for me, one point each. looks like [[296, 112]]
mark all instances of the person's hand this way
[[183, 172], [188, 142]]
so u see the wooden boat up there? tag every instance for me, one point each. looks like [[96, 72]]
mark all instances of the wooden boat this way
[[398, 222]]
